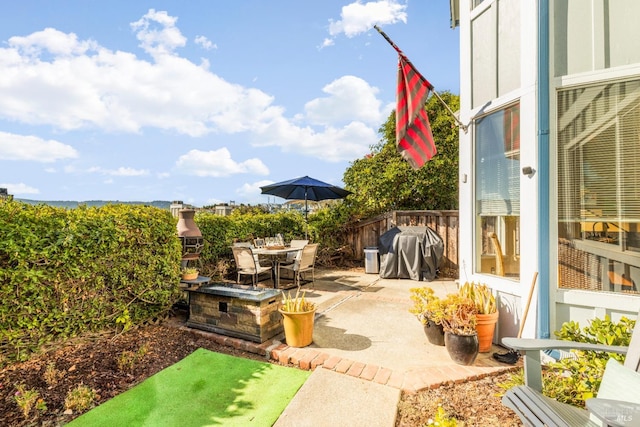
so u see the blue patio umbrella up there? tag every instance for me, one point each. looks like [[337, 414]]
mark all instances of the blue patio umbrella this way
[[305, 188]]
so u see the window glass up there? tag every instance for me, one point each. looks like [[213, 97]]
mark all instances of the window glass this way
[[497, 192], [599, 186]]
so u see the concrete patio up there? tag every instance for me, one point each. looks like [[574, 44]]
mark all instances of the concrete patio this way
[[363, 329]]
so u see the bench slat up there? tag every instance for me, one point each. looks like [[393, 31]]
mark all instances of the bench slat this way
[[537, 410]]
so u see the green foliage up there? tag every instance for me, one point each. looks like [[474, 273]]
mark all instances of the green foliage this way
[[220, 232], [327, 226], [481, 295], [427, 306], [124, 320], [573, 381], [442, 419], [87, 269], [72, 271], [382, 181]]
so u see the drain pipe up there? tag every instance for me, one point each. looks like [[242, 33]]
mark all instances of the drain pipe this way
[[543, 170]]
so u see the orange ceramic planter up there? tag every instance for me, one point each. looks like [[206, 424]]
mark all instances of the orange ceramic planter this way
[[298, 327], [486, 325]]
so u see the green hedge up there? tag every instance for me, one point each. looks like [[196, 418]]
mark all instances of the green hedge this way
[[68, 271], [64, 272], [219, 233]]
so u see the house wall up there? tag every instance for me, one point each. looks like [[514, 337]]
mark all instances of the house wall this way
[[580, 52], [512, 291]]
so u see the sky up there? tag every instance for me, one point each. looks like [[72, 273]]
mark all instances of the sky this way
[[202, 101]]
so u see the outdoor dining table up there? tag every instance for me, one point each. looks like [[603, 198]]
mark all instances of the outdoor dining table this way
[[273, 254]]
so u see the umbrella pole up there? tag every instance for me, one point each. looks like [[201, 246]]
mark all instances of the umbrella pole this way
[[306, 219]]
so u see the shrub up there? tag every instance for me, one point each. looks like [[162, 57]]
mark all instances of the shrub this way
[[80, 270], [128, 359], [28, 399], [80, 398], [52, 375]]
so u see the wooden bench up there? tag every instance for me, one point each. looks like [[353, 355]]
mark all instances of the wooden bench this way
[[618, 401]]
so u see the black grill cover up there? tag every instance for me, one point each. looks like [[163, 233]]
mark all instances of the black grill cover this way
[[410, 253]]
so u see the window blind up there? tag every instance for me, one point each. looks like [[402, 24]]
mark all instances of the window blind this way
[[599, 153]]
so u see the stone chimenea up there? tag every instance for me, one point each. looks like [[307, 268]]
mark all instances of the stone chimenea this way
[[190, 235]]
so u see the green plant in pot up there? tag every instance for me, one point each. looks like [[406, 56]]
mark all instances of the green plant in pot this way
[[459, 322], [298, 315], [189, 273], [486, 312], [429, 309]]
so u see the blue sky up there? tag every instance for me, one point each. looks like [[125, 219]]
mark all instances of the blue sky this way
[[202, 100]]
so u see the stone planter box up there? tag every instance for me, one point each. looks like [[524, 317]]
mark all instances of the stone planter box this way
[[250, 314]]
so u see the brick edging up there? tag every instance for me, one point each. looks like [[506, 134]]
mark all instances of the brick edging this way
[[308, 358]]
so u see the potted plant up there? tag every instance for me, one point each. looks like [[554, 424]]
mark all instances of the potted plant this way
[[459, 322], [429, 310], [298, 317], [486, 312], [189, 273]]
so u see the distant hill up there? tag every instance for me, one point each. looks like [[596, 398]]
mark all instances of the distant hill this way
[[162, 204]]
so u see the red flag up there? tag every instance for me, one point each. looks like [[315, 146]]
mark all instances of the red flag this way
[[413, 131]]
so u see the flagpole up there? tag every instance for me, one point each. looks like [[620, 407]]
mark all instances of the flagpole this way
[[386, 37]]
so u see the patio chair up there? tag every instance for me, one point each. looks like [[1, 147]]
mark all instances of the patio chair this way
[[499, 257], [291, 256], [618, 398], [304, 262], [248, 264]]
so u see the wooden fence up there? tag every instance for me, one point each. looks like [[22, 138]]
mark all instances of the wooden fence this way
[[445, 223]]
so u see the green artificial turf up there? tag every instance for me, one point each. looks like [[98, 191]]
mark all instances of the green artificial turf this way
[[203, 389]]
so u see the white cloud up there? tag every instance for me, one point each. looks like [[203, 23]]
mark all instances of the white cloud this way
[[118, 92], [327, 42], [350, 98], [332, 144], [27, 147], [205, 43], [52, 41], [79, 84], [214, 202], [252, 191], [359, 17], [218, 163], [121, 171], [158, 33], [21, 188]]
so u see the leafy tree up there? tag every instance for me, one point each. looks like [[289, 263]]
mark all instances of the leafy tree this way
[[383, 181]]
